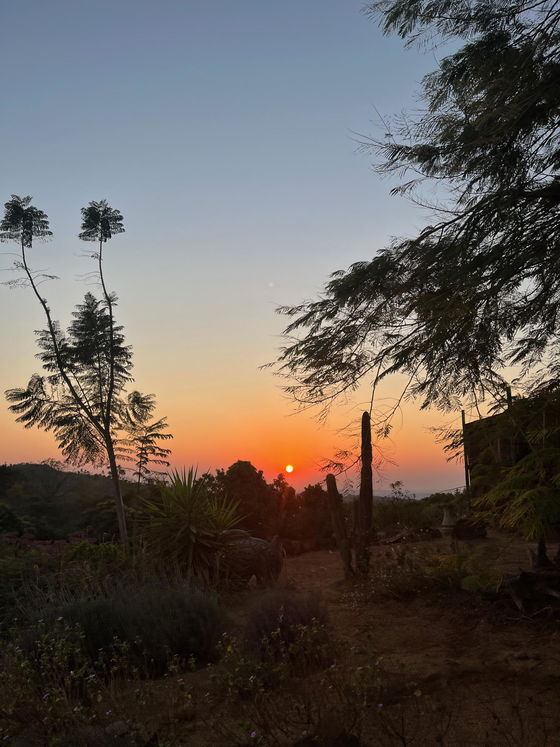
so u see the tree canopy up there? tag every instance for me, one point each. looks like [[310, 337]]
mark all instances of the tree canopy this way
[[479, 287], [82, 398]]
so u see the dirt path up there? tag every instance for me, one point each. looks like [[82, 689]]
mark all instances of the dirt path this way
[[432, 638], [479, 681]]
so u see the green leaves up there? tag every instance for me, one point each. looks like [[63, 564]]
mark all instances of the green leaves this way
[[185, 527], [528, 498]]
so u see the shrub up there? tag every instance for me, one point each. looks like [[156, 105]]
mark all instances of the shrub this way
[[408, 513], [46, 684], [284, 625], [286, 634], [185, 526], [19, 569], [31, 579], [406, 571], [105, 555], [150, 626], [400, 514]]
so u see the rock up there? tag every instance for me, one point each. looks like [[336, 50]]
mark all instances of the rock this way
[[117, 729]]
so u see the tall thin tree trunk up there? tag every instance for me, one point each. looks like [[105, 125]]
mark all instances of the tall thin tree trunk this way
[[365, 503], [104, 433], [123, 533], [339, 526], [108, 414]]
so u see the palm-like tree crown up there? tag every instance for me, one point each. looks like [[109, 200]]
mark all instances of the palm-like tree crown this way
[[23, 222], [100, 222]]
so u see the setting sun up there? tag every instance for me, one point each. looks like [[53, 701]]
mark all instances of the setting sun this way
[[289, 468]]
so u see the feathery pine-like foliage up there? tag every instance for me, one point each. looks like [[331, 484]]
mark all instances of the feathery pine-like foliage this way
[[81, 399], [144, 435], [480, 286], [23, 222], [85, 355], [100, 222], [186, 527]]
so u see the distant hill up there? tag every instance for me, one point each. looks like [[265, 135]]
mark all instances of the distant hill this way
[[53, 500], [380, 496]]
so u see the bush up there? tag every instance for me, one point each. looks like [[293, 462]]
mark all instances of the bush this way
[[406, 571], [151, 626], [186, 527], [286, 634], [32, 579], [401, 514], [288, 626], [105, 555], [408, 513], [19, 570]]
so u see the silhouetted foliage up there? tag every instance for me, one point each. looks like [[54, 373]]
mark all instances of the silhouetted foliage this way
[[81, 399], [155, 623], [144, 435], [55, 503], [259, 503], [186, 527], [9, 522], [276, 621], [307, 518], [479, 286]]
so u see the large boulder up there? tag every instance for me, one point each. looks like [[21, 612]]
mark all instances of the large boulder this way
[[245, 557]]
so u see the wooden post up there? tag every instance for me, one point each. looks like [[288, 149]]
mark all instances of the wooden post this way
[[465, 457], [365, 506], [339, 526]]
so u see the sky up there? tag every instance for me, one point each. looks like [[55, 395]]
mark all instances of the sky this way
[[227, 135]]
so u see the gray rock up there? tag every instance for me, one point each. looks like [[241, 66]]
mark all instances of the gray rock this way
[[117, 729]]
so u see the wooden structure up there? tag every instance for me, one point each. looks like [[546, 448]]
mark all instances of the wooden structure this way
[[495, 443]]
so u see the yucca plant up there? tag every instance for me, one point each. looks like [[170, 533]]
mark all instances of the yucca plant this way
[[186, 528]]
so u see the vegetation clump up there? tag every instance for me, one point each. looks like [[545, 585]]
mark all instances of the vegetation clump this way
[[154, 623], [185, 526], [286, 635], [283, 624]]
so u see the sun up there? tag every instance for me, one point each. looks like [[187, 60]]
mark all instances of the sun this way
[[289, 468]]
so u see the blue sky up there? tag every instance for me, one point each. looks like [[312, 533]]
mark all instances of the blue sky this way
[[224, 132]]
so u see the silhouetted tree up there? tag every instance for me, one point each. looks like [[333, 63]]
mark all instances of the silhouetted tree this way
[[259, 502], [479, 287], [144, 435], [307, 517], [82, 397], [9, 522]]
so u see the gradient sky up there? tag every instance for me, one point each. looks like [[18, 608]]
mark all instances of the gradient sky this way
[[223, 131]]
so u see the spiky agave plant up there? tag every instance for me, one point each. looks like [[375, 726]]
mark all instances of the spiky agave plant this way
[[187, 528]]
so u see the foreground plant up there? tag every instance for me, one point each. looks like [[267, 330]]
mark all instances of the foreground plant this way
[[187, 527]]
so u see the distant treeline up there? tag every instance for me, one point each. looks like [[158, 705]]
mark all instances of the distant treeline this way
[[53, 503]]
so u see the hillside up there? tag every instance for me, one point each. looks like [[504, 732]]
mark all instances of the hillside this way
[[53, 501]]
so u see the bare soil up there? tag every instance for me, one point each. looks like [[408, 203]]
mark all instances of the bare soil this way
[[462, 671]]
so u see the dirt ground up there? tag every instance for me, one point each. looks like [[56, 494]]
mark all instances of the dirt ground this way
[[461, 675]]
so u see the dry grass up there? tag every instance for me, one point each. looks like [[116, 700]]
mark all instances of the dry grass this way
[[416, 669]]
